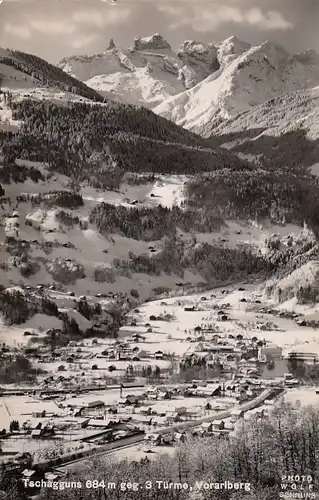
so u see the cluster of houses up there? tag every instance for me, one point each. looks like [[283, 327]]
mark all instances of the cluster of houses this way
[[227, 426], [238, 355], [149, 411], [159, 408], [165, 414]]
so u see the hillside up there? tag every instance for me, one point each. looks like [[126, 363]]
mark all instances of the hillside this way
[[156, 201], [115, 203], [98, 189], [87, 140], [282, 131], [145, 73], [41, 73], [247, 79]]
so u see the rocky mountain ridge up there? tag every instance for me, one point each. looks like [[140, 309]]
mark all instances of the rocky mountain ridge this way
[[147, 72], [201, 84], [246, 80]]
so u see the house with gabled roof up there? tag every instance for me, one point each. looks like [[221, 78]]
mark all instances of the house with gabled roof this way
[[153, 438], [207, 426]]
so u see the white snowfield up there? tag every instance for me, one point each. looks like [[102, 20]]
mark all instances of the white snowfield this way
[[137, 87], [94, 250], [244, 318]]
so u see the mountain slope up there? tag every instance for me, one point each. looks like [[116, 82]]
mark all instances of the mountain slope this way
[[147, 72], [93, 140], [279, 115], [283, 131], [18, 69], [108, 198], [244, 81]]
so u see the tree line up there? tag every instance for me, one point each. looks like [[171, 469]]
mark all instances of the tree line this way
[[256, 194], [90, 142], [215, 264]]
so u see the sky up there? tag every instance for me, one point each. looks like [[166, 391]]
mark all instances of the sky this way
[[53, 29]]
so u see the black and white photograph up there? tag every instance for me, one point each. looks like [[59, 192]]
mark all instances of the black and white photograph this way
[[159, 249]]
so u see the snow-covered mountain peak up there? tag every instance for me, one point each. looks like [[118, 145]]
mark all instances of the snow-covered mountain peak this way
[[199, 56], [254, 76], [152, 42], [274, 50], [193, 47], [156, 71], [229, 49], [200, 84]]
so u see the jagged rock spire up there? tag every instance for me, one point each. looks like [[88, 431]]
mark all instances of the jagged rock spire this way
[[111, 44], [150, 42]]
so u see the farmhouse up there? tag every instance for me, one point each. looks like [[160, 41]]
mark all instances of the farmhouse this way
[[94, 404], [164, 394], [159, 355], [102, 422], [137, 337], [36, 433], [40, 431], [218, 425], [181, 410], [142, 419], [236, 414], [180, 437], [129, 400], [33, 475], [174, 417], [207, 426], [38, 414], [154, 438], [211, 391], [87, 404], [168, 439]]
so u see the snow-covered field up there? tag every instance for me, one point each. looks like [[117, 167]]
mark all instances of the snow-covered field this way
[[139, 451], [91, 250], [303, 396], [169, 191], [244, 317], [39, 323], [21, 408], [172, 336]]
